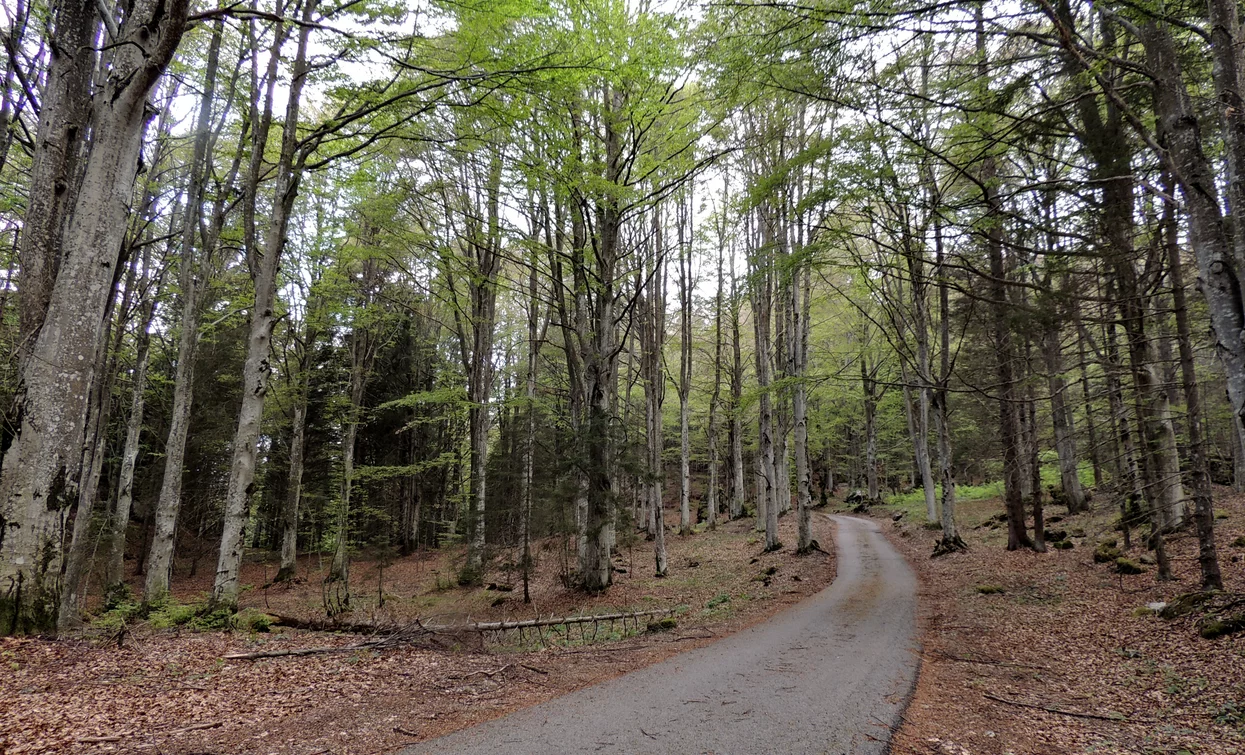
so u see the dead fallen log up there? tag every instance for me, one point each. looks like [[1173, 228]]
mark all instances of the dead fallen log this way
[[391, 636], [501, 626], [329, 625]]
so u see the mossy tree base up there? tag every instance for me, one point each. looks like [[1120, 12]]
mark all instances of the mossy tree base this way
[[948, 545]]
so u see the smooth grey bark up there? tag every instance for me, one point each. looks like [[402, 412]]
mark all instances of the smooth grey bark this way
[[652, 307], [114, 574], [919, 411], [869, 402], [294, 489], [1130, 488], [39, 476], [476, 349], [738, 492], [1199, 464], [762, 274], [362, 353], [257, 368], [801, 294], [1061, 418], [951, 540], [684, 262], [716, 397], [534, 340], [195, 266]]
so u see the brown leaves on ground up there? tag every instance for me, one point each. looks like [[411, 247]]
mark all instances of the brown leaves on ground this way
[[1028, 653], [171, 692]]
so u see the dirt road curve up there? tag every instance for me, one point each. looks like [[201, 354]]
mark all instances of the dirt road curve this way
[[831, 675]]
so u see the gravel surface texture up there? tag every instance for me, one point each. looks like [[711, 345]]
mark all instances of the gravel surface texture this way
[[831, 675]]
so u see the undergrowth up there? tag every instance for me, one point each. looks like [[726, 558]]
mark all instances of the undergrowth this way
[[121, 611]]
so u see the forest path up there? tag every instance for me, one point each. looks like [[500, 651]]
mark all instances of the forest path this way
[[830, 675]]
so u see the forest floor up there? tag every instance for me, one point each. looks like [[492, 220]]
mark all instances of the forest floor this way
[[133, 687], [1028, 653]]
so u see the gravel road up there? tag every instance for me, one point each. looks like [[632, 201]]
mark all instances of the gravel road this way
[[830, 675]]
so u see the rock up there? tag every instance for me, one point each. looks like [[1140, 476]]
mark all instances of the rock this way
[[1062, 545], [1056, 535], [1216, 628], [1147, 559], [663, 625], [1106, 554], [1128, 566], [1184, 604]]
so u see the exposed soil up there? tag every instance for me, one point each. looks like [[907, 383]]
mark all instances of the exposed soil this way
[[1028, 653], [171, 691]]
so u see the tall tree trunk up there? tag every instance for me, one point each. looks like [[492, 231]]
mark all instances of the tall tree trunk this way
[[716, 397], [361, 350], [1130, 486], [195, 264], [868, 388], [738, 492], [39, 476], [64, 113], [762, 303], [257, 369], [951, 540], [114, 575], [684, 261], [477, 352], [99, 407], [1087, 396], [652, 334], [801, 293], [529, 440], [1061, 419], [1199, 463], [294, 490]]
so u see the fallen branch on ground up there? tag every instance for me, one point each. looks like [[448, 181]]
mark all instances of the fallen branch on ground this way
[[391, 636], [1062, 712], [169, 733]]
